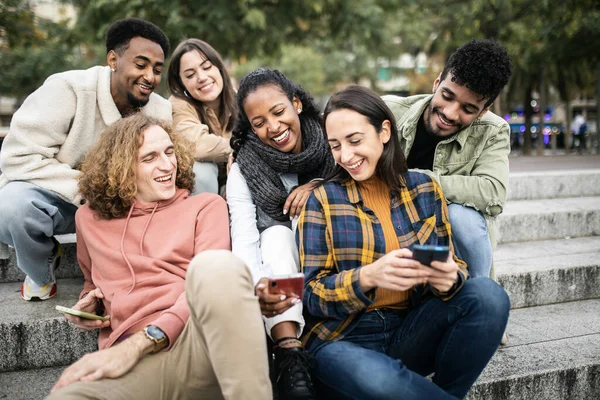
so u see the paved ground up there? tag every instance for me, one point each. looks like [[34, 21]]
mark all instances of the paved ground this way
[[553, 162]]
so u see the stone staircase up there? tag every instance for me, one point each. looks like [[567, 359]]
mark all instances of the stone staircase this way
[[548, 261]]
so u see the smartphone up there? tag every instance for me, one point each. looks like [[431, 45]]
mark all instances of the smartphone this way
[[425, 254], [290, 284], [80, 314]]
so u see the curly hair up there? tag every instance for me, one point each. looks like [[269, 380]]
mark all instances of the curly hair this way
[[109, 170], [121, 32], [228, 105], [264, 77], [483, 66]]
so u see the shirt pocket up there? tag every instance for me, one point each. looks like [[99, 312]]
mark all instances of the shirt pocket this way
[[423, 230]]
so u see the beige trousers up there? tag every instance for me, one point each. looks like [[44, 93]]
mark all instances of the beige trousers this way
[[221, 353]]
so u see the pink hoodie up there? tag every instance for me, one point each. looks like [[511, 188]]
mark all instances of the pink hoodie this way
[[140, 262]]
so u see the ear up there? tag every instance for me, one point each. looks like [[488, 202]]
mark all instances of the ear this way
[[111, 59], [436, 83], [297, 104], [386, 131]]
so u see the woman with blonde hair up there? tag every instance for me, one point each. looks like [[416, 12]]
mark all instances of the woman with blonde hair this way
[[155, 261], [204, 109]]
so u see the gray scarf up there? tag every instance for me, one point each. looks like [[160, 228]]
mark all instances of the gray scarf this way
[[261, 165]]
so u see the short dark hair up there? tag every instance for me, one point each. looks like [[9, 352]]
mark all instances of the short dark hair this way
[[228, 105], [392, 163], [264, 77], [483, 66], [121, 32]]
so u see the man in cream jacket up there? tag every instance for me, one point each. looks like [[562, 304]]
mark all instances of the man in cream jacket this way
[[54, 129]]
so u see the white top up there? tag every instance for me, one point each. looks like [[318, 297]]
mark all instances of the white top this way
[[245, 236]]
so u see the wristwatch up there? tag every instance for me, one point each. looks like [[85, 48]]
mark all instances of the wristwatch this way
[[156, 335]]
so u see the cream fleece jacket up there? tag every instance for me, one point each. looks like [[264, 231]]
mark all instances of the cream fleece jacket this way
[[56, 126], [140, 262]]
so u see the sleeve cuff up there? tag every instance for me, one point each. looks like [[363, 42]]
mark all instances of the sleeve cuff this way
[[171, 325]]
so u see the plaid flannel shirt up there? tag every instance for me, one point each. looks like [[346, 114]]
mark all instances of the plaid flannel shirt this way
[[337, 235]]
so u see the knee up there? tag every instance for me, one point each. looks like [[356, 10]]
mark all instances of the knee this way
[[212, 271], [17, 205], [491, 300], [466, 220]]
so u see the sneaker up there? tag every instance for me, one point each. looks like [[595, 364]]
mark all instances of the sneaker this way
[[293, 365], [31, 290], [504, 339]]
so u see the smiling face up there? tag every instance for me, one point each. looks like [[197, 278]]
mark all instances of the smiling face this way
[[274, 118], [452, 108], [201, 78], [355, 143], [156, 166], [137, 72]]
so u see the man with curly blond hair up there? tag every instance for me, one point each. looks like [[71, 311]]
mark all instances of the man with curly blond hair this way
[[52, 132], [157, 264]]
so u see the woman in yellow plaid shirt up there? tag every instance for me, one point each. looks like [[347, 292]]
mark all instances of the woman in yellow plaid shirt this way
[[378, 321]]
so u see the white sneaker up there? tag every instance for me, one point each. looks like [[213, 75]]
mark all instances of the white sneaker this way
[[31, 290]]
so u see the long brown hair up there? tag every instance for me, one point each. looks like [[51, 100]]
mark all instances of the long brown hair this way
[[392, 163], [108, 178], [227, 106]]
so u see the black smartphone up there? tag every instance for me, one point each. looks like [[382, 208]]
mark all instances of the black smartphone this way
[[427, 253]]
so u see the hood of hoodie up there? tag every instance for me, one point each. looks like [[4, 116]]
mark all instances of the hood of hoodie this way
[[140, 208]]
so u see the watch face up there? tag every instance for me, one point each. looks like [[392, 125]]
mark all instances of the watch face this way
[[155, 332]]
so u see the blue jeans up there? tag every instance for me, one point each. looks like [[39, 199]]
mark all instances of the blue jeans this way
[[388, 354], [471, 239], [29, 217]]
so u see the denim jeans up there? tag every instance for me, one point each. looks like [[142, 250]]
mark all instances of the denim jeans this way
[[389, 353], [29, 217], [207, 178], [471, 239]]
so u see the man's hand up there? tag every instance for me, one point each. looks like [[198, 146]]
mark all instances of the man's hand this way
[[296, 200], [443, 274], [395, 271], [273, 304], [88, 304], [113, 362]]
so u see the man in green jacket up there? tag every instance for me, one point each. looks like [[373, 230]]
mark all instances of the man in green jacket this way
[[452, 136]]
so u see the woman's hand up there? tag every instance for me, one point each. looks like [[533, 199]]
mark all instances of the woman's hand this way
[[296, 200], [443, 274], [273, 304], [395, 271], [88, 304]]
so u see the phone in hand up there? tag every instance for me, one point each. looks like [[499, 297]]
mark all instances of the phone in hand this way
[[291, 285], [80, 314], [425, 254]]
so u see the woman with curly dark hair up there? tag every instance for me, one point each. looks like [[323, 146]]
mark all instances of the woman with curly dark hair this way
[[204, 109], [155, 261], [280, 150]]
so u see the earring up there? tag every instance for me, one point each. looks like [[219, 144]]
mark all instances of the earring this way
[[112, 69], [299, 110], [185, 92]]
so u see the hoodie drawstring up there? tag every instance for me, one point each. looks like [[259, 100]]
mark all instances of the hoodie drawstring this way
[[146, 228]]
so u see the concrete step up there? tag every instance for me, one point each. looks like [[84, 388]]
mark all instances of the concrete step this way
[[35, 335], [553, 353], [9, 272], [554, 184], [550, 271], [530, 220], [28, 385]]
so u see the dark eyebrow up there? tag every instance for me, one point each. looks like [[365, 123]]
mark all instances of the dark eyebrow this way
[[466, 104], [205, 61], [270, 109], [348, 136], [146, 59]]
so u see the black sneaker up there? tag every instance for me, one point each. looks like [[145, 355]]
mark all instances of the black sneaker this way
[[293, 365]]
